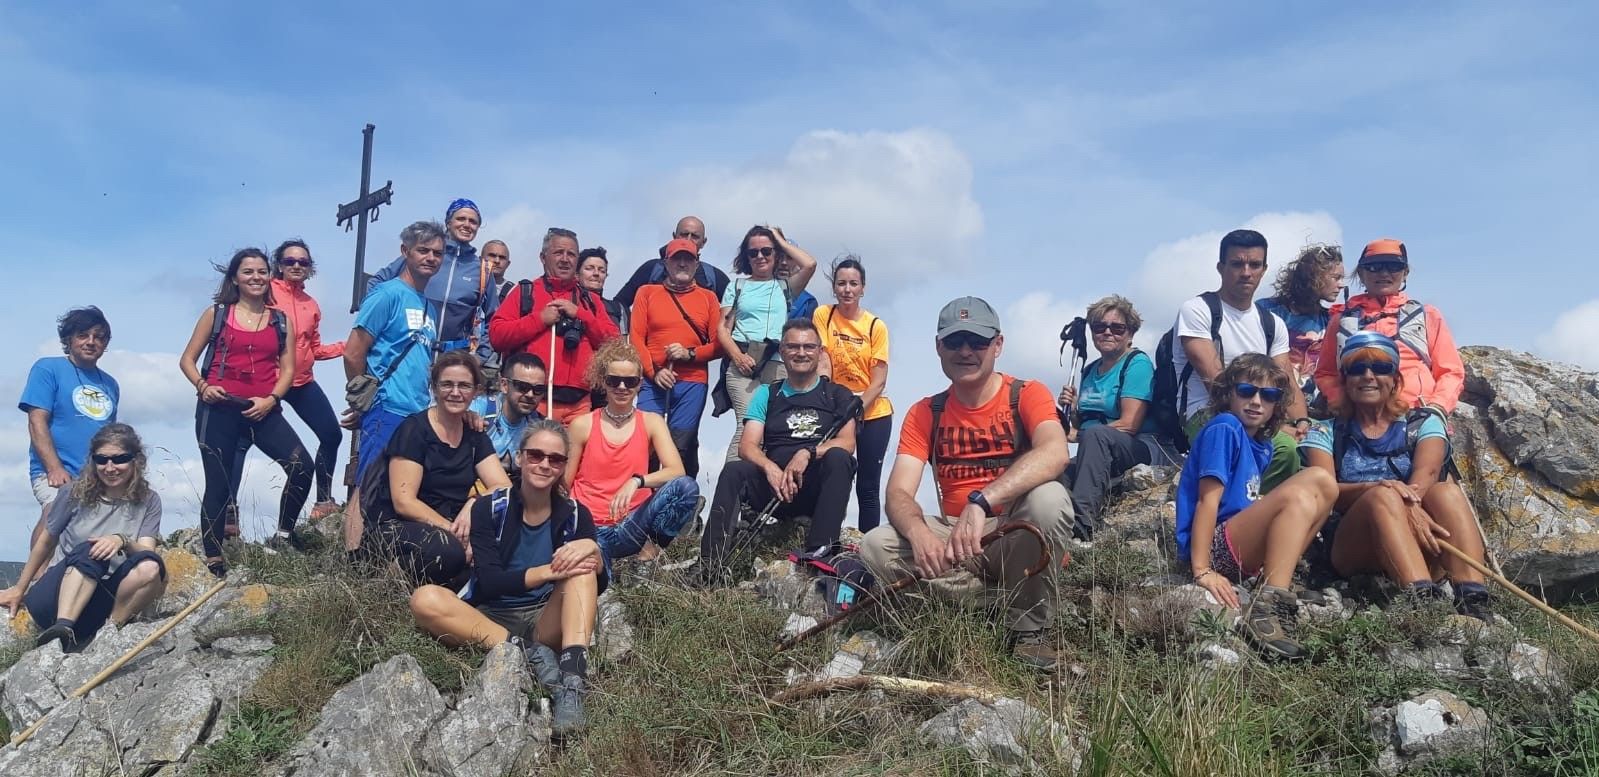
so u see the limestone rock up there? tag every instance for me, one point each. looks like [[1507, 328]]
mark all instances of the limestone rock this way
[[1427, 726], [613, 635], [1216, 655], [1008, 735], [489, 731], [67, 744], [796, 625], [371, 727], [236, 612], [1544, 416], [787, 588], [1442, 660], [187, 578]]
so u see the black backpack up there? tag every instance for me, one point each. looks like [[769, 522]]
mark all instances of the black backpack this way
[[1171, 388]]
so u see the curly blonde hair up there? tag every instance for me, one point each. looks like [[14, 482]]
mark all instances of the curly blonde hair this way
[[616, 349], [88, 489]]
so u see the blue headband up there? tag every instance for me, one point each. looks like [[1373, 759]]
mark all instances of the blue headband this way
[[459, 204], [1370, 339]]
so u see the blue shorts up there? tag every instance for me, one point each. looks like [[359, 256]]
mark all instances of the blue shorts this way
[[377, 426], [42, 599]]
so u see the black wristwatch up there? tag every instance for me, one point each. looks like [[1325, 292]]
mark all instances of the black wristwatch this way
[[976, 497], [640, 479]]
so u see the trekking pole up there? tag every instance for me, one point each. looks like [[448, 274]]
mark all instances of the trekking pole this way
[[120, 662], [907, 581], [1564, 619], [549, 385]]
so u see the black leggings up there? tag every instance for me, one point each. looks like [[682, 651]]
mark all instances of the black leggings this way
[[220, 431], [311, 404], [871, 445], [427, 554]]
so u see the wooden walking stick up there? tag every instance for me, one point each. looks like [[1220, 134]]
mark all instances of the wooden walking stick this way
[[910, 580], [1564, 619], [120, 662]]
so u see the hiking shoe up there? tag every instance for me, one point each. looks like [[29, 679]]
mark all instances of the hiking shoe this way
[[1264, 618], [566, 702], [69, 639], [285, 543], [217, 567], [1034, 649], [542, 662], [1474, 604]]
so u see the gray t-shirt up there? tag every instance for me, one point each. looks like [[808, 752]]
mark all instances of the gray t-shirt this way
[[73, 524]]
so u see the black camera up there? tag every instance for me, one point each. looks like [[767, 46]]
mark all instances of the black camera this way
[[570, 331]]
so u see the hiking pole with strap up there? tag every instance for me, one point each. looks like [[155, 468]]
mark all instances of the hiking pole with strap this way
[[1074, 334], [877, 597], [1543, 607], [765, 516]]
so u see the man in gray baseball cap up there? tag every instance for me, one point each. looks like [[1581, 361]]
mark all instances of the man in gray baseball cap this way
[[996, 447]]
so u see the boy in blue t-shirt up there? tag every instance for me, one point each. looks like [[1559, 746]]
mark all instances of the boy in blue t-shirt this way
[[1225, 528]]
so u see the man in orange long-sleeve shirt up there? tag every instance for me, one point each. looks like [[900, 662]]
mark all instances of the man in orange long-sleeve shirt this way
[[555, 307], [674, 328]]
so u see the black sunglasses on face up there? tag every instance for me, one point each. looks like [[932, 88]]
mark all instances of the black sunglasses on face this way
[[524, 387], [1384, 267], [959, 340], [1376, 368], [115, 458], [751, 253], [536, 456], [1249, 390], [1115, 328], [623, 381], [290, 261]]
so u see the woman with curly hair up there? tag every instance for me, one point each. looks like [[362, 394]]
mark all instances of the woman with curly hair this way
[[99, 540], [637, 512], [1314, 278], [1226, 529]]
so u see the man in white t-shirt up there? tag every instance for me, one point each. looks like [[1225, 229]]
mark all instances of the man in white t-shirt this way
[[1243, 329]]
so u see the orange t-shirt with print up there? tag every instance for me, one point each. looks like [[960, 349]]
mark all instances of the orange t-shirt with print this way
[[968, 435]]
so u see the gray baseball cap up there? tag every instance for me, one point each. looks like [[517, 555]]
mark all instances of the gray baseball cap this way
[[968, 314]]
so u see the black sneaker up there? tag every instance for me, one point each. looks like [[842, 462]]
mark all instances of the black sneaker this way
[[69, 638], [1474, 604], [1034, 649], [566, 702], [286, 543], [217, 567], [1264, 618]]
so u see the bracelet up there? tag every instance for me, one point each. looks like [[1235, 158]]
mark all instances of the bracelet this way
[[1201, 574], [640, 479], [1306, 421]]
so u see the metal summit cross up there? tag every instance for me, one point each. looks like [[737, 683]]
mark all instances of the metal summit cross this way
[[356, 213]]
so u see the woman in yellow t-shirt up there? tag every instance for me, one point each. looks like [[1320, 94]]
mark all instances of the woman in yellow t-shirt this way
[[855, 356]]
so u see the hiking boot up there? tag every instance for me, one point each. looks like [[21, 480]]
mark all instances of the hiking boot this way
[[286, 543], [542, 662], [217, 567], [1264, 618], [61, 631], [1474, 603], [1034, 649], [566, 702]]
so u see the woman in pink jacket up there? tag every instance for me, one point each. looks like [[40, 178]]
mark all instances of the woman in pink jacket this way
[[1429, 362], [291, 267]]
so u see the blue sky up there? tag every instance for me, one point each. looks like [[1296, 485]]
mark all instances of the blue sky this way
[[1039, 154]]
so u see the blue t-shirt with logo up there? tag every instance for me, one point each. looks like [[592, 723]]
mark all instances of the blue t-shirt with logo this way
[[534, 550], [79, 402], [1367, 460], [1096, 393], [506, 436], [1225, 452], [395, 314]]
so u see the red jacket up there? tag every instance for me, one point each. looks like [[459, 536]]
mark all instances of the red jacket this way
[[511, 333], [306, 318], [1440, 385]]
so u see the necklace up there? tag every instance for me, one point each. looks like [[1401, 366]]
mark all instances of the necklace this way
[[619, 420]]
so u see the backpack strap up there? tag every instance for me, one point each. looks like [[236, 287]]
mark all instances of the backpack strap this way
[[1412, 330], [526, 287], [1121, 380], [219, 318], [705, 339], [1340, 435], [937, 406], [1022, 441], [1268, 324], [280, 322], [1213, 301]]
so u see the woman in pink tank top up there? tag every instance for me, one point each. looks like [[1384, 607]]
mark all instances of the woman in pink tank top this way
[[637, 512], [248, 367]]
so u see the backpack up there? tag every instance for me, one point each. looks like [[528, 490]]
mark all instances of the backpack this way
[[1413, 422], [1171, 388], [1019, 444], [1121, 381], [1411, 329], [219, 318], [499, 506], [803, 305]]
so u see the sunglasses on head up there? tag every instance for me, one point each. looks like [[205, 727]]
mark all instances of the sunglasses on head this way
[[536, 456], [560, 232], [1376, 368], [959, 340], [524, 387], [1249, 390], [1383, 267], [115, 458], [751, 253], [623, 381], [1115, 328], [290, 261]]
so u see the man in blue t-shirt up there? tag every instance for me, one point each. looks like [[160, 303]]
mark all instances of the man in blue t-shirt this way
[[506, 414], [67, 399], [392, 341]]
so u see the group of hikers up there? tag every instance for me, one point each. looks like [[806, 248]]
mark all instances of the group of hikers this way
[[516, 439]]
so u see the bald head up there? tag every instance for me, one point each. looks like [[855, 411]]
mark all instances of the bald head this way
[[691, 228]]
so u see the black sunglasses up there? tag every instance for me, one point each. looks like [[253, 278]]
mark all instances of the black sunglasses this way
[[116, 458], [525, 387], [751, 253], [623, 381], [290, 261], [1115, 328], [1384, 267], [959, 340], [536, 456], [1376, 368], [1249, 390]]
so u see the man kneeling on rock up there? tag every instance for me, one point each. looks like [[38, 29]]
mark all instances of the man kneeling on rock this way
[[537, 577], [783, 454], [996, 447]]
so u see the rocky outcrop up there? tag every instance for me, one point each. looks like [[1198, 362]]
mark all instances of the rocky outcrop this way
[[1428, 726], [1007, 735]]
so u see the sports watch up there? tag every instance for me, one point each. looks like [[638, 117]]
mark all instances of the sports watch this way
[[976, 497]]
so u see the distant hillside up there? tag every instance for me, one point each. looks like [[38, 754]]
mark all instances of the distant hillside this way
[[9, 571]]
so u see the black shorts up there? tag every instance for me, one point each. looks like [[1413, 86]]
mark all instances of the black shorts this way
[[521, 622]]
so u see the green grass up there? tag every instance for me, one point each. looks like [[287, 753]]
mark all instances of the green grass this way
[[255, 735]]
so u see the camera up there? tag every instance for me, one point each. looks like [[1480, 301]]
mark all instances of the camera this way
[[570, 330]]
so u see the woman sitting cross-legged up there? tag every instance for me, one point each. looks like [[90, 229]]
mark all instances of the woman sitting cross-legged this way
[[638, 512], [99, 540], [538, 574], [1225, 528], [1396, 498], [417, 501]]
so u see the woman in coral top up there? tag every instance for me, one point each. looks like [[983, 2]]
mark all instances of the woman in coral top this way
[[292, 266], [1429, 363], [636, 511]]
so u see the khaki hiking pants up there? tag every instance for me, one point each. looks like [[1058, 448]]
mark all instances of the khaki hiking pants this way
[[1030, 605]]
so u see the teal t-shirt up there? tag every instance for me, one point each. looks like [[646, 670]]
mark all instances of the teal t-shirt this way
[[762, 398], [762, 309], [1097, 393]]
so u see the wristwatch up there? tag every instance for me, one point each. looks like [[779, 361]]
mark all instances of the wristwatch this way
[[640, 479], [976, 497]]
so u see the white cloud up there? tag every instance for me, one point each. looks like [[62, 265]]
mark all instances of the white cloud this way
[[902, 200], [153, 389], [1571, 338], [522, 228], [1032, 327]]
